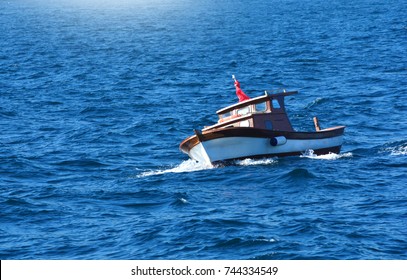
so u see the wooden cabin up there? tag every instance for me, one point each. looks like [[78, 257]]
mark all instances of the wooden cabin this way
[[264, 112]]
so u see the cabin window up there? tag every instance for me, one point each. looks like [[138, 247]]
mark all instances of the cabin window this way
[[243, 111], [245, 123], [268, 125], [276, 104], [261, 107], [225, 115]]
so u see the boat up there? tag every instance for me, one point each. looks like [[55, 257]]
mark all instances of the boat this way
[[258, 128]]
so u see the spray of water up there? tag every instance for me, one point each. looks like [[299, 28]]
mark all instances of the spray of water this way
[[331, 156], [398, 151], [192, 166], [185, 166], [250, 162]]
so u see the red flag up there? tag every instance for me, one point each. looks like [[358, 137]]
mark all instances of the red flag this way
[[239, 92]]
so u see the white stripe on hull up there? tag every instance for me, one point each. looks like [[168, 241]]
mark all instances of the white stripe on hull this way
[[240, 147]]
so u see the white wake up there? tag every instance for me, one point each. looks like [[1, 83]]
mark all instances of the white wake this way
[[331, 156], [398, 151], [185, 166], [250, 162]]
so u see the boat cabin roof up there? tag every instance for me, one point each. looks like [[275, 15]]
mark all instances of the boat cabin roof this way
[[267, 96]]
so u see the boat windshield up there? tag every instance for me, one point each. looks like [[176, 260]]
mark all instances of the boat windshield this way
[[261, 107], [243, 111], [225, 115]]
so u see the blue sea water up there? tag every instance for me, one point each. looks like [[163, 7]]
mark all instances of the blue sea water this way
[[95, 97]]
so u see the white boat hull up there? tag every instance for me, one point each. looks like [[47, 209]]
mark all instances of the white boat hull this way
[[230, 148]]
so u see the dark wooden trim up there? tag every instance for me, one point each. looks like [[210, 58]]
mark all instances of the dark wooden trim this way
[[199, 135], [189, 143]]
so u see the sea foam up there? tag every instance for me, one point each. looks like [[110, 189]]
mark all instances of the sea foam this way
[[398, 151], [185, 166], [249, 162], [331, 156]]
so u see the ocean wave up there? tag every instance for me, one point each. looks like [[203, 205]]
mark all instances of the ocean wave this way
[[398, 148], [331, 156], [180, 201], [400, 151], [317, 101], [299, 173], [245, 242], [185, 166]]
